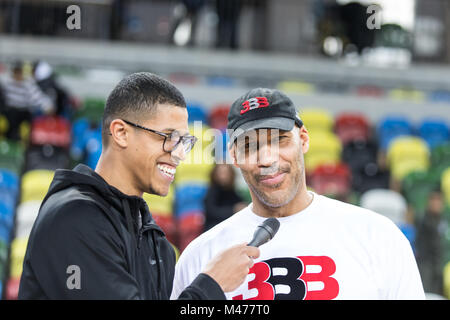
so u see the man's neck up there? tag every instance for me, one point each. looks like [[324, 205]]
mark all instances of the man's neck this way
[[116, 175], [300, 202]]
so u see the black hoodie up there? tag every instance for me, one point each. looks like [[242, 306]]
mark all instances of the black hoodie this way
[[91, 241]]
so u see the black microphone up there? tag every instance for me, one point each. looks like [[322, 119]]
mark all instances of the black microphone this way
[[265, 232]]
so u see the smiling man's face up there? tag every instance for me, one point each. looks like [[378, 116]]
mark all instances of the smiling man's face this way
[[153, 168], [272, 164]]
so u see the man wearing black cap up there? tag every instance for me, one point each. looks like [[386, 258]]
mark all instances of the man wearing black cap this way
[[324, 249]]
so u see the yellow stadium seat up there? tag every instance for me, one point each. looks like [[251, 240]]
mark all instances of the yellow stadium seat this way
[[317, 119], [300, 87], [35, 184], [406, 154], [200, 161], [405, 94], [407, 147], [160, 205], [324, 148], [446, 274], [445, 184], [18, 249]]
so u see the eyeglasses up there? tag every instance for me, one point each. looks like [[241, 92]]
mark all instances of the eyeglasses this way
[[171, 140]]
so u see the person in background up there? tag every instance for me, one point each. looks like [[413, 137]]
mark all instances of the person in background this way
[[22, 98], [429, 250], [221, 200], [45, 78]]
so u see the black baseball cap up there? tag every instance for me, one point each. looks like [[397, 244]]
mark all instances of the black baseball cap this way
[[262, 108]]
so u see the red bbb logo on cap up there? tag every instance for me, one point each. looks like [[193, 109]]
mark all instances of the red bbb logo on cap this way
[[254, 103]]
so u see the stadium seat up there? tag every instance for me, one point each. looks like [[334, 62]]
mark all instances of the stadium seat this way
[[407, 94], [332, 180], [11, 156], [369, 91], [316, 119], [296, 87], [35, 184], [3, 259], [93, 140], [439, 96], [406, 154], [52, 130], [161, 205], [189, 198], [9, 181], [352, 126], [197, 166], [197, 112], [46, 157], [416, 186], [168, 225], [369, 177], [445, 185], [218, 117], [388, 203], [391, 127], [220, 81], [18, 249], [446, 276], [79, 128], [26, 215], [92, 109], [6, 219], [358, 153], [12, 288], [434, 131], [324, 148], [190, 226]]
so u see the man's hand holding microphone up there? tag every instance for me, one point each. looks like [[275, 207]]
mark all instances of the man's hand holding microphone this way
[[230, 267]]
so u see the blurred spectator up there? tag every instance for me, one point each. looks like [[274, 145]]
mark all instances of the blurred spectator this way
[[227, 30], [45, 79], [189, 11], [221, 200], [22, 98], [429, 249]]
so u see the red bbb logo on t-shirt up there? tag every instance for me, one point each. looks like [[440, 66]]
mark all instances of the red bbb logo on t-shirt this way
[[292, 273]]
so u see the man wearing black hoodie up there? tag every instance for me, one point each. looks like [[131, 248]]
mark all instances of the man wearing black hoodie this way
[[94, 237]]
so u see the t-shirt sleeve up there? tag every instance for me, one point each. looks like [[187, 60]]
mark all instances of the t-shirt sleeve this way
[[399, 267]]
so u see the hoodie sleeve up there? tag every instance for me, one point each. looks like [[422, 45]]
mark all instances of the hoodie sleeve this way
[[203, 288], [75, 253]]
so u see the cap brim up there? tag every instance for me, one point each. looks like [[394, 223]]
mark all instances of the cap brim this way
[[280, 123]]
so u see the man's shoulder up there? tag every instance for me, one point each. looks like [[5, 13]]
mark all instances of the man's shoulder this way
[[69, 207]]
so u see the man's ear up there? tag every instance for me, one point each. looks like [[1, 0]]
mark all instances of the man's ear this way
[[119, 133], [304, 138], [232, 151]]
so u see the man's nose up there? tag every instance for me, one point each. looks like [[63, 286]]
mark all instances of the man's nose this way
[[267, 155]]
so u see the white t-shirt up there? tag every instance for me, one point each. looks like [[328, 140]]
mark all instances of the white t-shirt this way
[[330, 250]]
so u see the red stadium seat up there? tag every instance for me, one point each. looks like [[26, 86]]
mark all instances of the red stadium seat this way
[[218, 118], [167, 224], [330, 179], [190, 226], [352, 126], [12, 289], [51, 130]]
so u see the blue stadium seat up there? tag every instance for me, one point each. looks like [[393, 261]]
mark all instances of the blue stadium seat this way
[[197, 112], [9, 181], [189, 198], [93, 147], [434, 131], [220, 81], [391, 127]]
